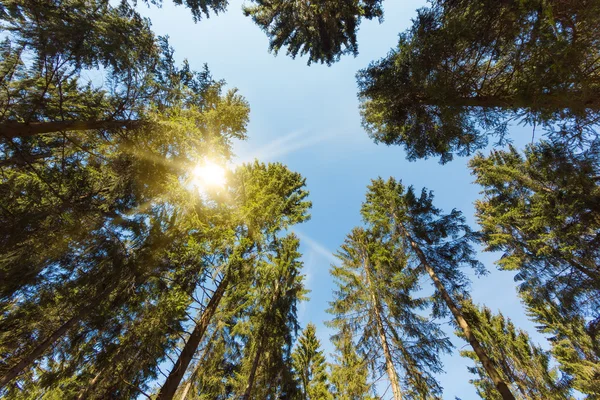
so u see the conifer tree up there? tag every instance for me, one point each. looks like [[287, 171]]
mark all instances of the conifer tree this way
[[541, 209], [266, 371], [523, 364], [350, 370], [466, 69], [310, 366], [574, 341], [375, 299], [264, 200], [323, 29], [437, 244]]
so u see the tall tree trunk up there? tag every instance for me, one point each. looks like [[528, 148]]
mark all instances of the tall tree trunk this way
[[255, 362], [501, 386], [552, 101], [41, 348], [391, 371], [12, 129], [168, 389], [209, 346]]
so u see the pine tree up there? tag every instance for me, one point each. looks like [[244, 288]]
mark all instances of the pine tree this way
[[523, 364], [310, 366], [375, 299], [350, 370], [438, 245], [468, 68]]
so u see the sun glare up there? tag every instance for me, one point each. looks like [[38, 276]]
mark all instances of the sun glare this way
[[209, 175]]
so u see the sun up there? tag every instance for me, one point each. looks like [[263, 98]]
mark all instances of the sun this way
[[209, 175]]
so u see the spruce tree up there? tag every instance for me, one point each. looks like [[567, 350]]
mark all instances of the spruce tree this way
[[466, 69], [375, 299], [310, 366], [436, 244], [523, 364], [350, 369], [263, 200], [323, 29], [541, 209]]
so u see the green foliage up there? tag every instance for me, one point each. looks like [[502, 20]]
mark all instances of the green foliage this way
[[375, 300], [542, 211], [310, 366], [350, 370], [323, 29], [523, 364], [466, 69]]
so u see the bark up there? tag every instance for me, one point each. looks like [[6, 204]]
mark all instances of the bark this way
[[170, 386], [501, 386], [391, 371], [552, 101], [12, 129]]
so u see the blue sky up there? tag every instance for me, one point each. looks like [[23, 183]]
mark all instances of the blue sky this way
[[307, 117]]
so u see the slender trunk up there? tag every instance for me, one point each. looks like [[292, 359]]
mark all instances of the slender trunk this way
[[501, 386], [41, 348], [255, 362], [391, 371], [556, 101], [83, 392], [12, 129], [209, 346], [167, 391]]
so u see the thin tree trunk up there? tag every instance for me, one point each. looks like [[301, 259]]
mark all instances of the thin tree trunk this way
[[501, 386], [167, 391], [12, 129], [565, 100], [255, 362], [391, 371], [41, 348], [209, 346]]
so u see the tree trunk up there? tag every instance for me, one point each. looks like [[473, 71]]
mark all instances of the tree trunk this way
[[255, 362], [41, 348], [553, 101], [391, 371], [501, 386], [12, 129], [170, 386]]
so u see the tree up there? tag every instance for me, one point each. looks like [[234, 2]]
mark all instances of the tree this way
[[374, 299], [266, 371], [265, 199], [84, 181], [323, 29], [541, 211], [574, 340], [525, 365], [350, 370], [438, 245], [468, 68], [310, 366]]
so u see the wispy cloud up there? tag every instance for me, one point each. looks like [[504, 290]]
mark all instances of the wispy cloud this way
[[317, 247], [282, 146]]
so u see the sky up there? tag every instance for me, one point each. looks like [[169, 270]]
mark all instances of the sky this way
[[307, 117]]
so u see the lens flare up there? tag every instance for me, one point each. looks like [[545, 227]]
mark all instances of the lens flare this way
[[209, 175]]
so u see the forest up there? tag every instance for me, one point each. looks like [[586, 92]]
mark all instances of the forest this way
[[140, 258]]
